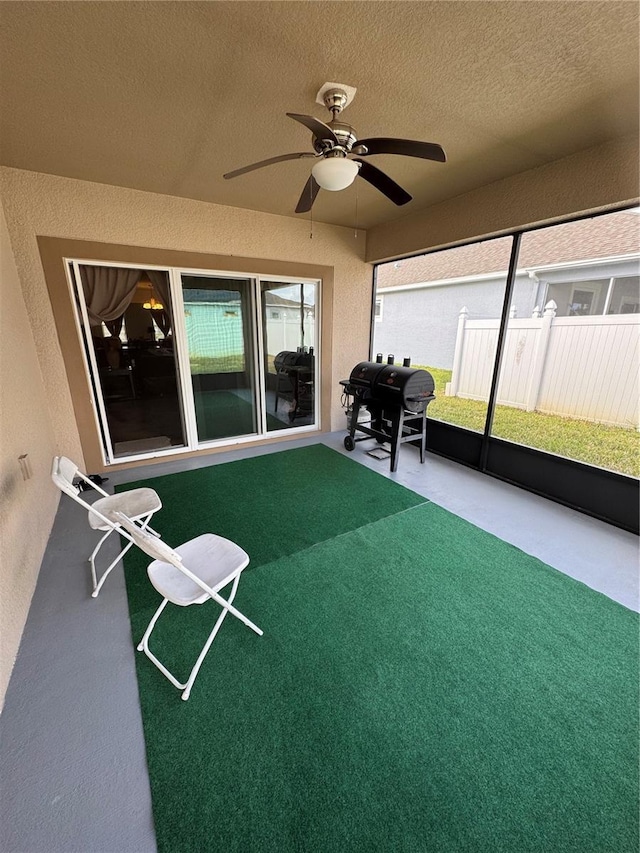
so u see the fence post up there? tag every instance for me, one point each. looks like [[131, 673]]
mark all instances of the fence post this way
[[452, 387], [540, 356]]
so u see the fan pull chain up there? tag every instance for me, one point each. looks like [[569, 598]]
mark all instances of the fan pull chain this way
[[355, 232], [311, 211]]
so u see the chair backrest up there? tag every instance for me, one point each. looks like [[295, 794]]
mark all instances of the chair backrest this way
[[147, 542], [63, 473]]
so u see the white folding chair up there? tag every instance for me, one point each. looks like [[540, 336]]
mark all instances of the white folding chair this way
[[213, 562], [139, 504]]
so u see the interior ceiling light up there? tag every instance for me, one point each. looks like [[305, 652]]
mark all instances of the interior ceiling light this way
[[151, 304], [335, 173]]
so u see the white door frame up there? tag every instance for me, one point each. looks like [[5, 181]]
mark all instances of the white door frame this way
[[183, 372]]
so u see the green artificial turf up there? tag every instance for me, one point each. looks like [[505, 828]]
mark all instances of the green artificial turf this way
[[420, 685], [270, 505], [220, 414]]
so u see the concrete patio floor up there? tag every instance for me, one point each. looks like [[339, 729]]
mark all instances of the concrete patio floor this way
[[72, 756]]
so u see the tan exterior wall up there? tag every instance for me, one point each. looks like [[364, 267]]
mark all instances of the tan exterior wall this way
[[39, 205], [594, 179], [27, 507], [38, 415]]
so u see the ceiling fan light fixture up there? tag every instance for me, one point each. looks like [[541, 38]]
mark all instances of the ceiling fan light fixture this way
[[335, 173]]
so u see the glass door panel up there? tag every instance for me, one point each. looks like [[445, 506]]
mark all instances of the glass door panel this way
[[289, 332], [127, 317], [220, 337]]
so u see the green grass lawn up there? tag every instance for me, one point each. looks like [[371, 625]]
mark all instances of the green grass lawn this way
[[217, 364], [222, 364], [613, 448]]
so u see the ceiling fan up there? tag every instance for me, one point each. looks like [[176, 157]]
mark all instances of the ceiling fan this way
[[335, 145]]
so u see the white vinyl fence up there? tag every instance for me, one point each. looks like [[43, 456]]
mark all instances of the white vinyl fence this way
[[579, 367], [216, 329]]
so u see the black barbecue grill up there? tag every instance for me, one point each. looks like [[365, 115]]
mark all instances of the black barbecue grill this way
[[396, 398], [294, 381]]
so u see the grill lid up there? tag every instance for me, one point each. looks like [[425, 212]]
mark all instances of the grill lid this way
[[413, 383], [363, 374], [404, 386]]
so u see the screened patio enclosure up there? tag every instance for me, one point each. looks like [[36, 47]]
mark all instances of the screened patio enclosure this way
[[533, 340]]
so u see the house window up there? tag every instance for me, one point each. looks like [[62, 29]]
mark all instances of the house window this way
[[377, 311], [581, 303], [275, 315], [625, 296]]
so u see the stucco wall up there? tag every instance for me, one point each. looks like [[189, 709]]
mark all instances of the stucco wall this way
[[47, 205], [606, 175], [27, 507]]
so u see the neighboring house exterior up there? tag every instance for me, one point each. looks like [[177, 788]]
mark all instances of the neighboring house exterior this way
[[589, 267]]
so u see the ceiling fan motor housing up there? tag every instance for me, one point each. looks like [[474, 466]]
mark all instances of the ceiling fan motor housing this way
[[346, 135]]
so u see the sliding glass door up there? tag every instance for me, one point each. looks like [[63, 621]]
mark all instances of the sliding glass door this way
[[220, 342], [185, 359], [127, 318], [289, 318]]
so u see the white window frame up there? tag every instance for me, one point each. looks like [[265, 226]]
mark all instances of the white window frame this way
[[379, 302]]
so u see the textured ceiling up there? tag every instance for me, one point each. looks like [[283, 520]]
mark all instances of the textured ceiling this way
[[167, 96]]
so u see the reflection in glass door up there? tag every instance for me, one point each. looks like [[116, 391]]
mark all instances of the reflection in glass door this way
[[220, 337], [288, 311], [127, 320]]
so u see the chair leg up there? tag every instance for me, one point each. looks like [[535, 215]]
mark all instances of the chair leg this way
[[196, 669], [94, 554], [226, 608], [97, 585], [237, 614], [143, 645]]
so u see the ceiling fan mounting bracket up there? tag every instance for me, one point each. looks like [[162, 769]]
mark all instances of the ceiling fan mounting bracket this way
[[335, 96], [335, 100]]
